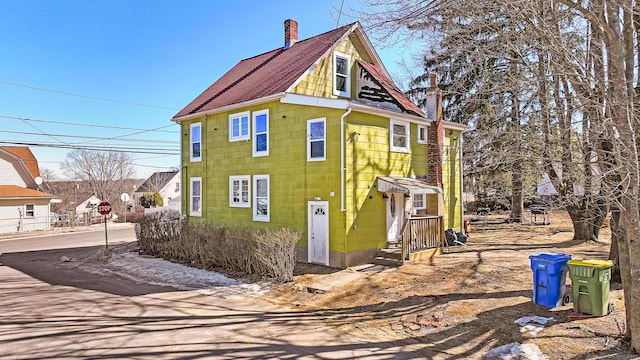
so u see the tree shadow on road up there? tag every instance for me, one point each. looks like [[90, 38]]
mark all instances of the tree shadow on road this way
[[61, 267]]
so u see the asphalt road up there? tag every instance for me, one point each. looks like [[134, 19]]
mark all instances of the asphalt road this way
[[93, 237], [50, 311]]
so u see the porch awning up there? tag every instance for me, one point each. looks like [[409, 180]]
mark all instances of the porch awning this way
[[398, 184]]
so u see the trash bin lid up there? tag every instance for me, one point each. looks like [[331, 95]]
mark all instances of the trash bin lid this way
[[554, 256], [591, 263]]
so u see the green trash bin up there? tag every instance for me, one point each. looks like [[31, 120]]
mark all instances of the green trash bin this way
[[590, 285]]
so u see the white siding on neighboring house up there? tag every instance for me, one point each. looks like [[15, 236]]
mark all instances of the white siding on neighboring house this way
[[176, 204], [14, 217], [9, 175], [172, 191]]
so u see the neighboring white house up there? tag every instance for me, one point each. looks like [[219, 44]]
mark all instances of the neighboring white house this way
[[23, 207], [167, 184], [86, 211]]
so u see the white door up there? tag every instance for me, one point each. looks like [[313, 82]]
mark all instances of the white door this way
[[395, 211], [319, 232]]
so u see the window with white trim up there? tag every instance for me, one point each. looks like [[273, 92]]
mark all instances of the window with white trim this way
[[239, 126], [29, 210], [341, 75], [239, 191], [195, 196], [316, 140], [260, 133], [419, 202], [399, 136], [422, 134], [261, 207], [195, 142]]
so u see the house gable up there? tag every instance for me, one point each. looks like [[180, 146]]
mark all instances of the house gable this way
[[263, 75], [18, 167]]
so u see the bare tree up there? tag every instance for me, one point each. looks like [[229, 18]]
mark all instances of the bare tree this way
[[106, 173], [566, 101]]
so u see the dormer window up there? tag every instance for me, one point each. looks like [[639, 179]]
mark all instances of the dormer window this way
[[341, 83]]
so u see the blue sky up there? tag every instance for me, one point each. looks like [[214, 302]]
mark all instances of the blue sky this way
[[60, 61]]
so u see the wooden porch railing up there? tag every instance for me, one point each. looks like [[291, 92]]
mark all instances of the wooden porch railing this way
[[422, 233]]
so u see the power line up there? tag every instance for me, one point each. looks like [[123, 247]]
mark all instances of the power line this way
[[137, 150], [89, 137], [159, 129], [88, 97]]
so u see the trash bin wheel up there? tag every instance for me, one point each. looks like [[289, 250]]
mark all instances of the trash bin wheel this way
[[566, 299], [610, 308]]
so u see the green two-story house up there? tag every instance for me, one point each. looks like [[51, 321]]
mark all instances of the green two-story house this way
[[316, 137]]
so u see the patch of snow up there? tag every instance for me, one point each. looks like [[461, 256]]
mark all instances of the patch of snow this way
[[532, 325], [516, 351], [155, 271]]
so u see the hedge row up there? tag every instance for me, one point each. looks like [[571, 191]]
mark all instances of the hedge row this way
[[264, 252]]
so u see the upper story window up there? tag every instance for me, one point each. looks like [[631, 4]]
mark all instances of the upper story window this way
[[422, 134], [341, 76], [399, 136], [239, 191], [195, 197], [261, 133], [316, 140], [29, 210], [239, 126], [195, 147], [177, 187], [261, 207]]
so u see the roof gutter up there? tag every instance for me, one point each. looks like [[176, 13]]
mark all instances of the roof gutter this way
[[222, 109]]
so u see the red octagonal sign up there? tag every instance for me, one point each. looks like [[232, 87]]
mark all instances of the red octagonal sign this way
[[104, 208]]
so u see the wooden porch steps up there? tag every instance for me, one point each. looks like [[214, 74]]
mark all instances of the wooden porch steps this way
[[388, 257]]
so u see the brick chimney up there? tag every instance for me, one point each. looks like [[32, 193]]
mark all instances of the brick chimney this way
[[290, 33], [435, 132]]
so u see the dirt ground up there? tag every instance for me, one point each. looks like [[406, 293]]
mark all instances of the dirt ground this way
[[463, 302]]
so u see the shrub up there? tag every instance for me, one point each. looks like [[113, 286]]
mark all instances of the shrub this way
[[265, 252], [150, 199]]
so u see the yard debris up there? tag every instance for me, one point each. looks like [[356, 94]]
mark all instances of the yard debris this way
[[418, 321], [516, 351], [532, 325]]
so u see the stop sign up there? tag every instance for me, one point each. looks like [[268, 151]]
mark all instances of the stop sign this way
[[104, 208]]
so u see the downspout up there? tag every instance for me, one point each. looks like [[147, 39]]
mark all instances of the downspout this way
[[342, 168]]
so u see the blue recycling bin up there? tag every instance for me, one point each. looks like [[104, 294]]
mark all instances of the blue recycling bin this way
[[549, 278]]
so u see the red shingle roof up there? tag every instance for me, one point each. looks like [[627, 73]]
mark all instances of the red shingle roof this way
[[24, 153], [13, 191], [267, 74], [391, 88]]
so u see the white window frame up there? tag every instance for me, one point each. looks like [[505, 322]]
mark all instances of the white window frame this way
[[347, 92], [256, 216], [240, 179], [191, 142], [424, 201], [254, 133], [310, 141], [32, 211], [192, 196], [407, 146], [239, 117], [423, 130]]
